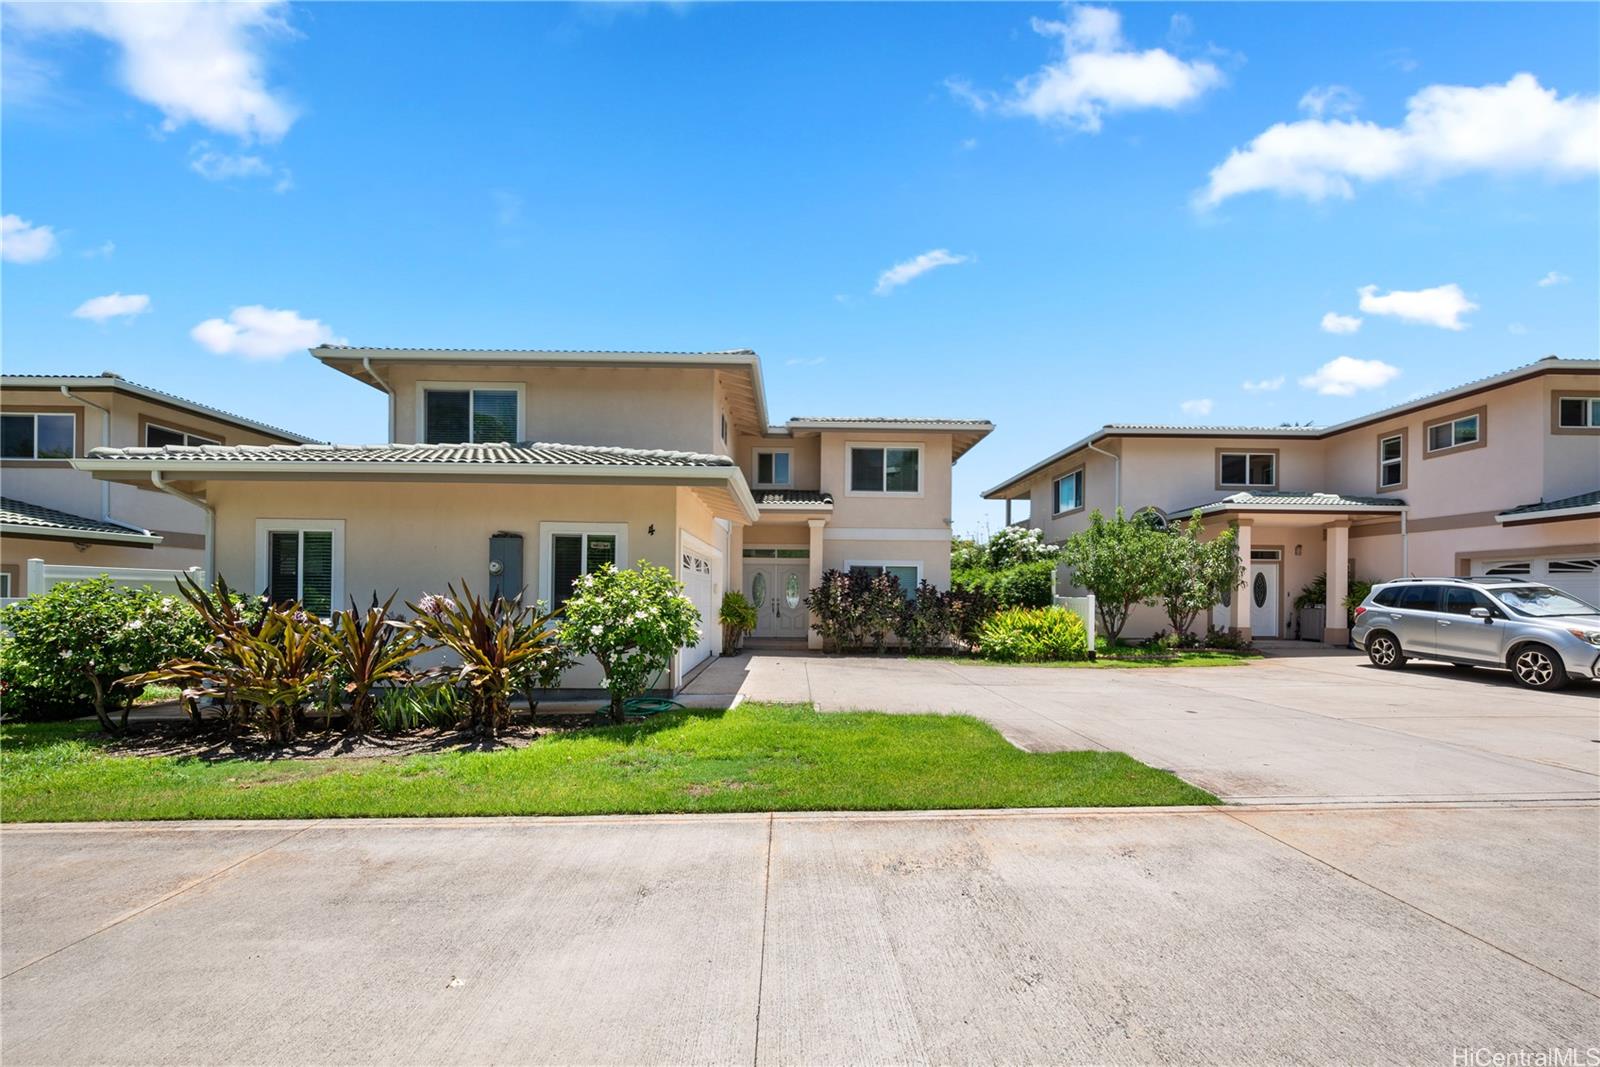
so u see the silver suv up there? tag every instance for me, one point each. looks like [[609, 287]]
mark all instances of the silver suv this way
[[1543, 635]]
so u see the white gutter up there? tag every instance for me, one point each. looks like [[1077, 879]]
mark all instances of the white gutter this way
[[1506, 517], [366, 364], [1116, 477], [1405, 547], [105, 442], [211, 521]]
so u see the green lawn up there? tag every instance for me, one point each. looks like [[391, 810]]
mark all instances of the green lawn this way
[[1128, 657], [757, 757]]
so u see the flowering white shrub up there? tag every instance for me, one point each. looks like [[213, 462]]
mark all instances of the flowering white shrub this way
[[1014, 544], [631, 622]]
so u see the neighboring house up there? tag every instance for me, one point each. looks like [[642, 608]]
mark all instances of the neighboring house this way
[[665, 457], [1498, 476], [51, 512]]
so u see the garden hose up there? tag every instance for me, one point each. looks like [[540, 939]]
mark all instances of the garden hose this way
[[645, 705]]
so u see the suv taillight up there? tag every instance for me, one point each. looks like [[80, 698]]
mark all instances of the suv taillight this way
[[1361, 609]]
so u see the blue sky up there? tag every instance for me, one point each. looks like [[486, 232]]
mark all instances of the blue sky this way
[[727, 175]]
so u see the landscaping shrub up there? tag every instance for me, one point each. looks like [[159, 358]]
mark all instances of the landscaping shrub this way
[[493, 641], [543, 670], [738, 617], [856, 610], [1194, 573], [1012, 545], [631, 622], [366, 650], [969, 610], [72, 645], [1033, 635], [1021, 585], [927, 621], [408, 707], [1120, 560]]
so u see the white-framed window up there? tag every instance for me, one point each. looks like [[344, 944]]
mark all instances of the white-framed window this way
[[889, 469], [774, 468], [38, 435], [1266, 555], [1256, 469], [451, 413], [1578, 412], [569, 550], [301, 561], [5, 584], [158, 436], [1455, 433], [1391, 461], [908, 572], [1066, 493]]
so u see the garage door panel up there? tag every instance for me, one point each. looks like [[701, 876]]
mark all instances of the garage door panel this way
[[1577, 575], [696, 571]]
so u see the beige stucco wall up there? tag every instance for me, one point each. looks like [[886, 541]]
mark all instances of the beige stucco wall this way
[[417, 537], [629, 407], [805, 471]]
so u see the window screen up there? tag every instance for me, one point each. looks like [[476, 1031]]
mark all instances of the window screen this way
[[447, 417], [866, 470]]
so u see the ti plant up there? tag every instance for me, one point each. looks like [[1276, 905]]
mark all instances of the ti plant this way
[[494, 639], [365, 650]]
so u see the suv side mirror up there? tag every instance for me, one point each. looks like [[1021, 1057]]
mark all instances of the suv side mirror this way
[[1481, 613]]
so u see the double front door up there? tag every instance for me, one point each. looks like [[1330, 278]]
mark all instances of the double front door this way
[[778, 591]]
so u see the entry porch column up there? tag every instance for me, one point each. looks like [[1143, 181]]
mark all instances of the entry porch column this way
[[1335, 630], [1239, 613], [814, 639], [735, 560]]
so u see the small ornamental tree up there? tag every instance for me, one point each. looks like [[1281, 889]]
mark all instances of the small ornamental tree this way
[[1194, 573], [631, 622], [1120, 561], [77, 640]]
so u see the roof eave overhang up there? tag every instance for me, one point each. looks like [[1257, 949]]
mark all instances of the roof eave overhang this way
[[1312, 509], [120, 385], [82, 537], [1524, 518]]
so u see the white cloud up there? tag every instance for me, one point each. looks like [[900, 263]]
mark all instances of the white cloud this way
[[1555, 277], [257, 332], [218, 166], [1347, 376], [1201, 407], [903, 272], [1096, 73], [1448, 129], [1333, 322], [1441, 306], [1263, 385], [104, 250], [1322, 100], [23, 242], [113, 306], [196, 62]]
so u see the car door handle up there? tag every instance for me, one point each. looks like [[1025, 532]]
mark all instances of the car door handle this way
[[1444, 622], [1396, 618]]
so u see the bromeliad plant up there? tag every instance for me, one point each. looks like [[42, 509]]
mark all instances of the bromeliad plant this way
[[366, 650], [497, 641], [631, 622]]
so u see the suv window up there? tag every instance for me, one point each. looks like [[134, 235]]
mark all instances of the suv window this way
[[1419, 598], [1459, 600], [1389, 597]]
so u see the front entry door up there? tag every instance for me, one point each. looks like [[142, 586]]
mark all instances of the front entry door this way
[[1262, 590], [778, 591]]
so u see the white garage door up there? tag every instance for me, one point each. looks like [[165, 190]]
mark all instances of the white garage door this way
[[696, 574], [1578, 575]]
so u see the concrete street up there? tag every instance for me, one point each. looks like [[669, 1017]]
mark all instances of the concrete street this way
[[1360, 922]]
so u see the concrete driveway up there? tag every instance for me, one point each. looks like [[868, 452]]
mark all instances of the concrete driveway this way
[[1253, 936], [1306, 724]]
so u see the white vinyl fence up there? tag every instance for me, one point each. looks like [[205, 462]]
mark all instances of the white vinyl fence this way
[[1083, 608], [42, 575]]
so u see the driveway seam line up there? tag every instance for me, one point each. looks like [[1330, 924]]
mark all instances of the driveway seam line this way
[[1408, 904], [761, 967], [182, 889]]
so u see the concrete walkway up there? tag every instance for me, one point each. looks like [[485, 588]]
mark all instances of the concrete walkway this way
[[1252, 936], [1307, 724]]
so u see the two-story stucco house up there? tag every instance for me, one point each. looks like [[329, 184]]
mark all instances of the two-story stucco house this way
[[665, 457], [49, 511], [1498, 476]]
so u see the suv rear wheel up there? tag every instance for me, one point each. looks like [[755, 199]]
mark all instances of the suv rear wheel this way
[[1536, 667], [1383, 649]]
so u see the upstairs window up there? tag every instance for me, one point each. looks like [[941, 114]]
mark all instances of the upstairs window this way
[[1391, 462], [1068, 492], [160, 436], [1250, 469], [1578, 412], [469, 416], [37, 436], [1461, 431], [885, 469], [772, 469]]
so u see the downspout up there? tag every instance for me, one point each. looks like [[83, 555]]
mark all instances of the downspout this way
[[105, 442], [1116, 468], [1405, 548], [211, 522], [366, 365]]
